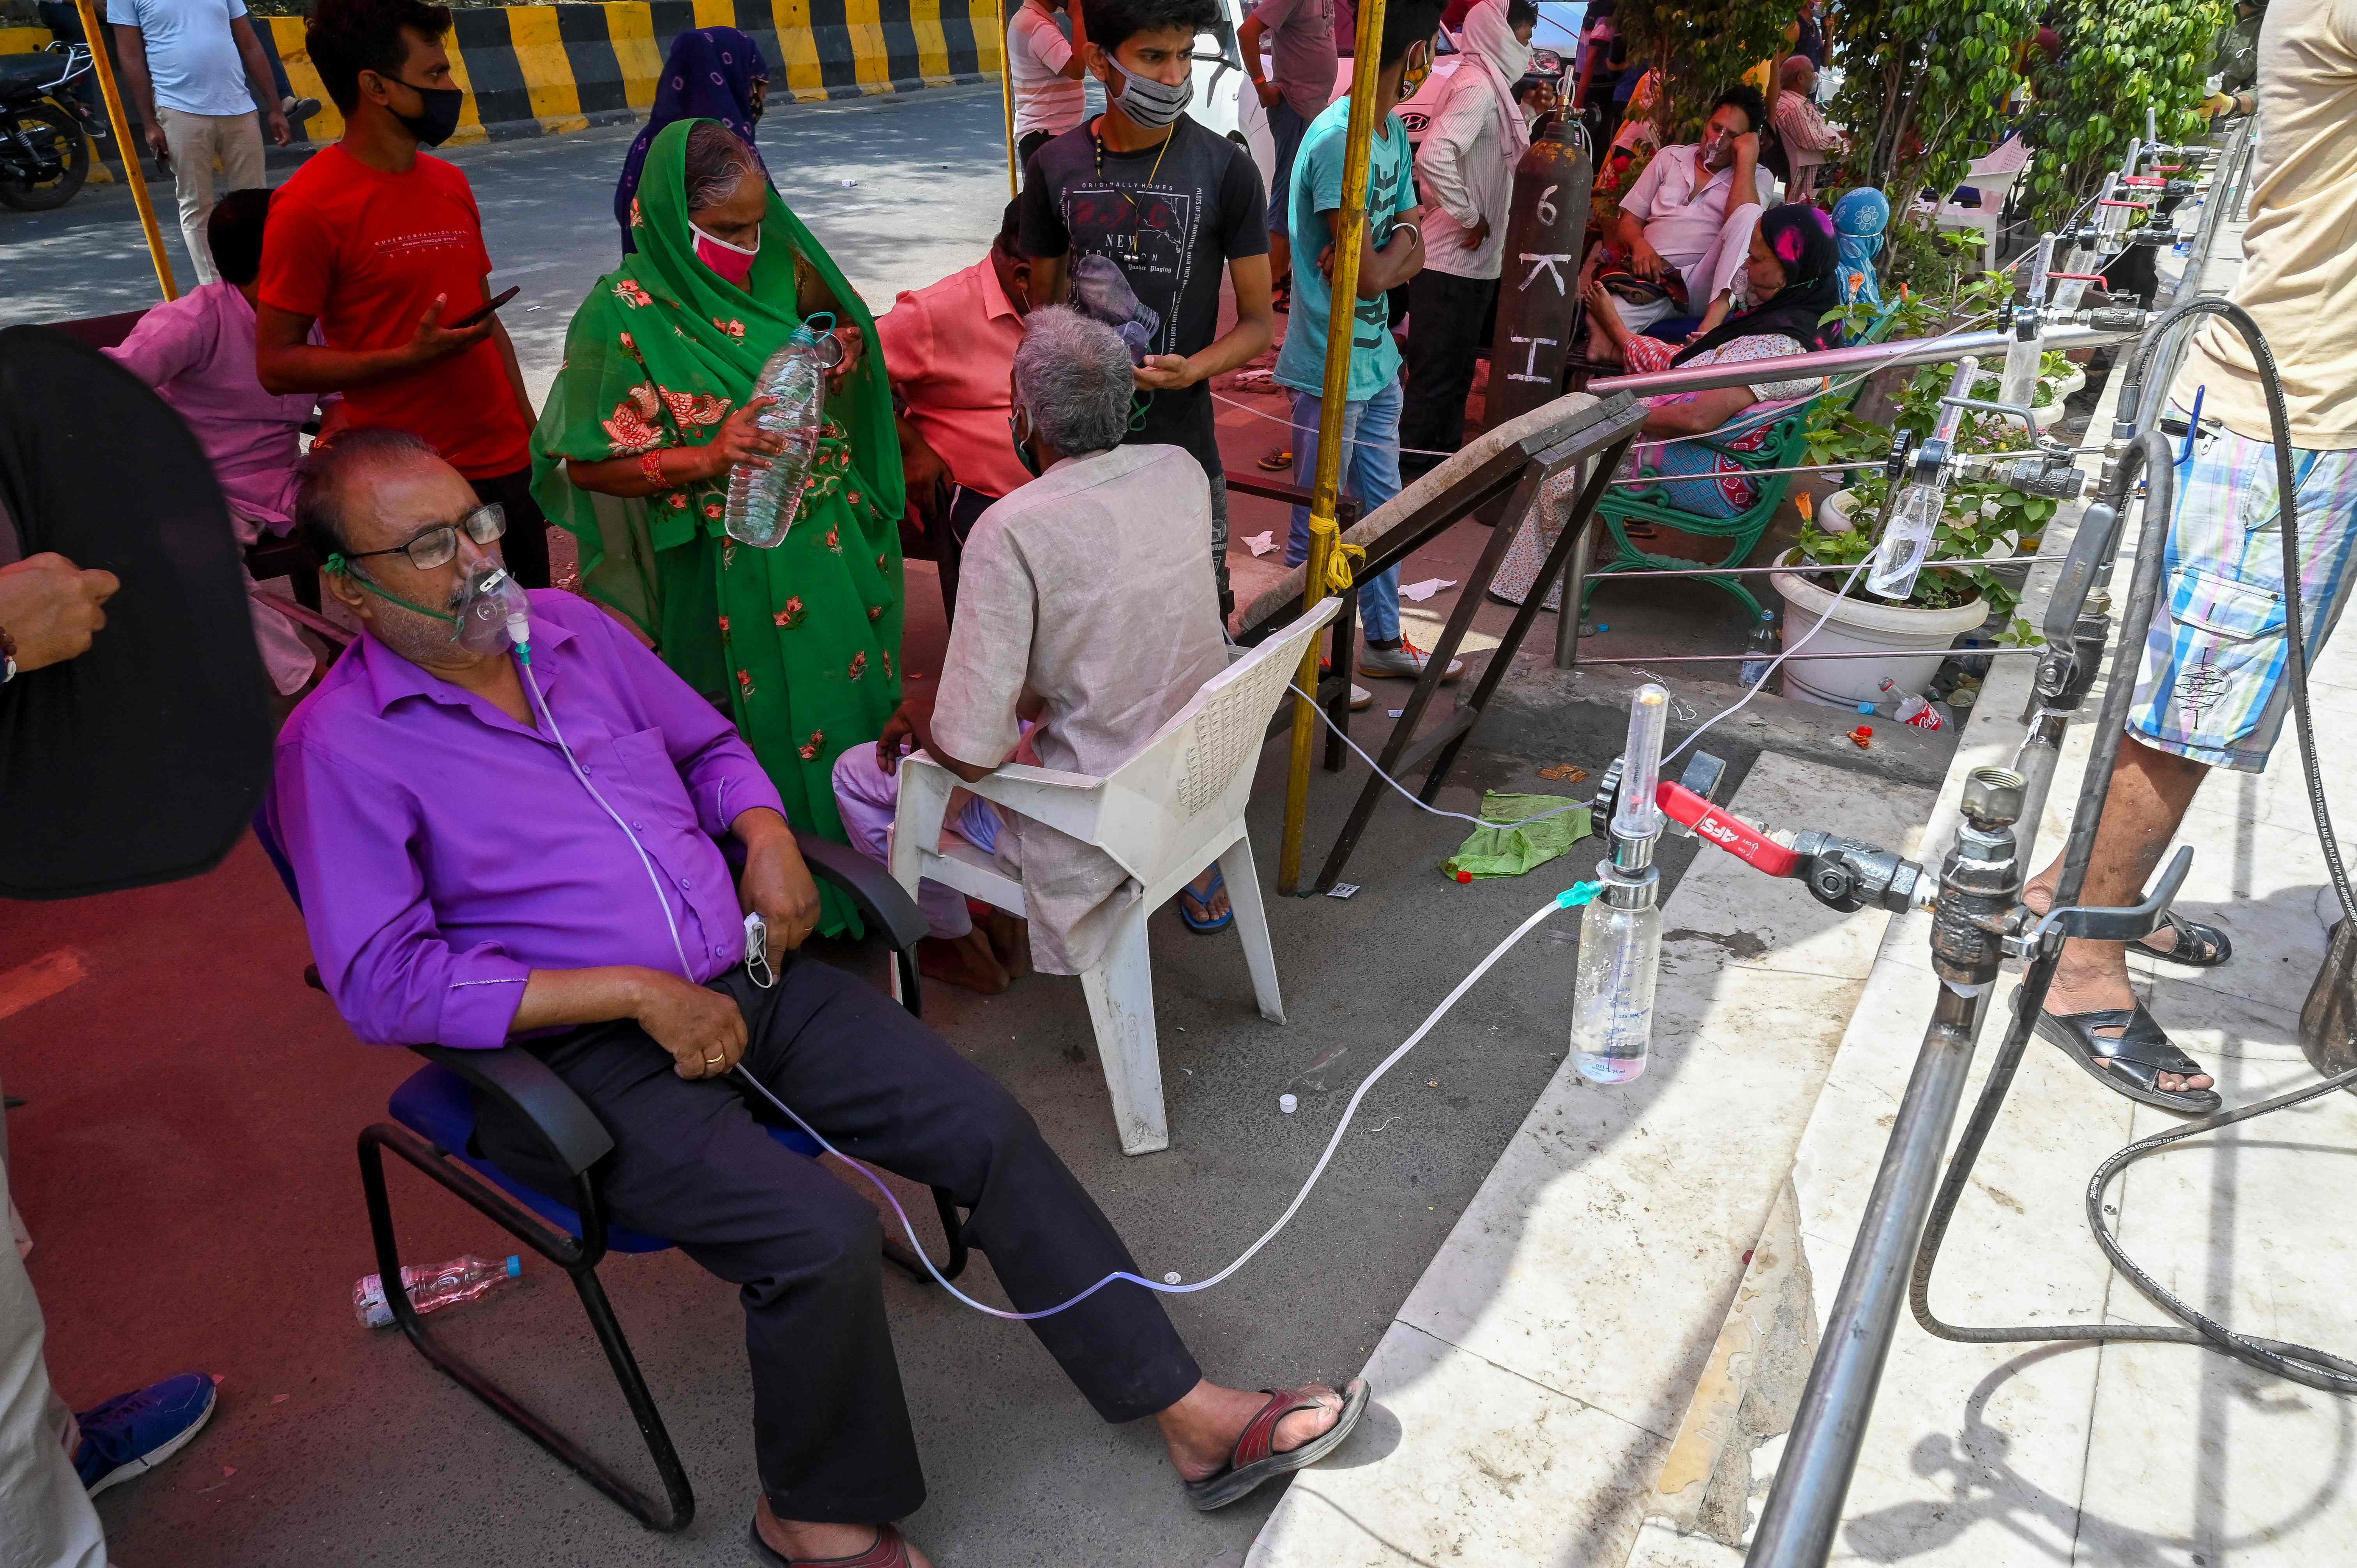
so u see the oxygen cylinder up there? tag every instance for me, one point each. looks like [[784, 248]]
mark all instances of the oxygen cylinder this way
[[1539, 286]]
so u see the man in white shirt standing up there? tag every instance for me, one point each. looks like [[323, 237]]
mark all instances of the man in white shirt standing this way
[[1687, 221], [1464, 171], [1809, 142], [190, 64]]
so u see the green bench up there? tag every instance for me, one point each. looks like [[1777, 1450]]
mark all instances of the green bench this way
[[1785, 445]]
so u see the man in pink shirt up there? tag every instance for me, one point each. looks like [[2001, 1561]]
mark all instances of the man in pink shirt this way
[[198, 353], [949, 349]]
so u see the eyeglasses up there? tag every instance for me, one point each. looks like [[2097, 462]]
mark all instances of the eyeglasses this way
[[438, 545]]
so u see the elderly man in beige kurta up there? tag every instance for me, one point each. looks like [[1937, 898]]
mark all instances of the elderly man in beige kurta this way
[[1083, 601], [1083, 608]]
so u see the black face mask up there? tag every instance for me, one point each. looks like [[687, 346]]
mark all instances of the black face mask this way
[[441, 117], [1019, 427]]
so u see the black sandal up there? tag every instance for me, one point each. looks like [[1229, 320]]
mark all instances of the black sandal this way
[[2138, 1058], [2199, 946]]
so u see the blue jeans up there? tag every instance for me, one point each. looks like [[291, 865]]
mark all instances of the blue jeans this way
[[1286, 128], [1371, 475]]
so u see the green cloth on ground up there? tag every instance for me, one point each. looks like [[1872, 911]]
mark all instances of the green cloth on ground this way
[[1510, 852]]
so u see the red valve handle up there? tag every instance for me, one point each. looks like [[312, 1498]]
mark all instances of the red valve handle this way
[[1729, 833]]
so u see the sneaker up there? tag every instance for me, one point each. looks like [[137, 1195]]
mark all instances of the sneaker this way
[[1406, 661], [1359, 695], [132, 1433], [298, 110]]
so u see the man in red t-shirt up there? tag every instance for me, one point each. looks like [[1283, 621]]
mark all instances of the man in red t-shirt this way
[[383, 246]]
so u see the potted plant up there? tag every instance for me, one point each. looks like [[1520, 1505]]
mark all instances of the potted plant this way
[[1983, 520]]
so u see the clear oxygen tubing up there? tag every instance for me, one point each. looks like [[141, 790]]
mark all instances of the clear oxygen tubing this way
[[1578, 893], [2301, 1364], [519, 630], [520, 633]]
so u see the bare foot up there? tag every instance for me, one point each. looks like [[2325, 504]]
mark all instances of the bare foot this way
[[1204, 905], [964, 961], [1202, 1428], [1605, 311], [2094, 978], [1010, 941], [798, 1541]]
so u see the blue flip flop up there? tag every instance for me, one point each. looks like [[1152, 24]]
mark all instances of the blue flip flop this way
[[1206, 928]]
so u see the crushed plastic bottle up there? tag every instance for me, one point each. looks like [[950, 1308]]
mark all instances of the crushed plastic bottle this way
[[1761, 651], [762, 502], [430, 1290], [1906, 707]]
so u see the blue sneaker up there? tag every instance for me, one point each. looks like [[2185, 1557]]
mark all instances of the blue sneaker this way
[[132, 1433]]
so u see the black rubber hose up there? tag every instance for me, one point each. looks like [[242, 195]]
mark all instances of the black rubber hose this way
[[2298, 1363]]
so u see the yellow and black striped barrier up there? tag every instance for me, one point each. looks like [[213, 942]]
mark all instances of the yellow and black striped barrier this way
[[540, 71]]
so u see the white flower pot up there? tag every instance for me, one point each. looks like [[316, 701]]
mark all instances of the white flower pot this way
[[1914, 642]]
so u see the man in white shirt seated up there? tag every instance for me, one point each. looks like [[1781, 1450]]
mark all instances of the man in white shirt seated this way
[[1685, 226], [1085, 621]]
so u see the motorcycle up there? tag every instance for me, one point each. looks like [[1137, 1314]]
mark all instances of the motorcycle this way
[[44, 149]]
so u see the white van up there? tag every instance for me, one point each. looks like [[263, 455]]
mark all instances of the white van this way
[[1225, 102]]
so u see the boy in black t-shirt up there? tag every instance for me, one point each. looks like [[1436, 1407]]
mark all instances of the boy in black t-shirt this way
[[1167, 202]]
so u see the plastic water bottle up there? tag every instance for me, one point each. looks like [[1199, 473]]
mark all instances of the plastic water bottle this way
[[762, 501], [430, 1290], [1612, 997], [1761, 651]]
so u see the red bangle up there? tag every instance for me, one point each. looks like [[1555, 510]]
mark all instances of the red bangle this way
[[651, 465]]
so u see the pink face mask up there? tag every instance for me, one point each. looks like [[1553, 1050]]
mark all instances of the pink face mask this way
[[731, 262]]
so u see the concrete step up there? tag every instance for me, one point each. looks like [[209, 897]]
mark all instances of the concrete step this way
[[1528, 1389]]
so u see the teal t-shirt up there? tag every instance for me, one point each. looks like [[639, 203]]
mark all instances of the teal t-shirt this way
[[1318, 188]]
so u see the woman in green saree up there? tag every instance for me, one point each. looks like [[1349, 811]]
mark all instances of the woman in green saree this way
[[654, 407]]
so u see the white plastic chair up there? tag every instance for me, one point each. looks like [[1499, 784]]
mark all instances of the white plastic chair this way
[[1163, 816]]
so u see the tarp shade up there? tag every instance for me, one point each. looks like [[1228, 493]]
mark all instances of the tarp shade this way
[[143, 760]]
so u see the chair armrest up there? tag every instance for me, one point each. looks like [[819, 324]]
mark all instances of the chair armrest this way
[[1069, 802], [530, 1088], [868, 885]]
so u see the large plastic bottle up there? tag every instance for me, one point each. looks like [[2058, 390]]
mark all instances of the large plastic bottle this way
[[430, 1290], [762, 501]]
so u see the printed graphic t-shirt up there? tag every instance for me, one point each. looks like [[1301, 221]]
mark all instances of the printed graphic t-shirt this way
[[1318, 188], [1171, 230], [366, 252]]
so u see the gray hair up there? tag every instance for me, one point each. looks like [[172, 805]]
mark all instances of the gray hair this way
[[1072, 374], [717, 162], [326, 472]]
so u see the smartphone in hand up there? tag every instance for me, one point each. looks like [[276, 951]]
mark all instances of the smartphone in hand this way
[[472, 316]]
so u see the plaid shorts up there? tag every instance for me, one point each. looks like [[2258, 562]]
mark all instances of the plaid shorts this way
[[2212, 683]]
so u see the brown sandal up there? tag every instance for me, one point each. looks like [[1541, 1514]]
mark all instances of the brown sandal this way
[[1253, 1461], [889, 1551]]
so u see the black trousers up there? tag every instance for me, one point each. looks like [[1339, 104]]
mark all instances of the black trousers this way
[[1029, 143], [831, 1432], [1445, 313], [525, 545]]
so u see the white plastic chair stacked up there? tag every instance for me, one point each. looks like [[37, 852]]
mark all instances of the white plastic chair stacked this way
[[1163, 816]]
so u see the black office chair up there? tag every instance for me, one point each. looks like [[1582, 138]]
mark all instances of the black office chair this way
[[433, 1129]]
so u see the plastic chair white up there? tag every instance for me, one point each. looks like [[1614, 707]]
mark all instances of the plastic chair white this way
[[1162, 816]]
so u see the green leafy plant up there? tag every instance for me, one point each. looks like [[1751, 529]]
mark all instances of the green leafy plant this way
[[1925, 86], [1701, 47], [2119, 58]]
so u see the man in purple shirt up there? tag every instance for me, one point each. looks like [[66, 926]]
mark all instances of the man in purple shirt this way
[[464, 885]]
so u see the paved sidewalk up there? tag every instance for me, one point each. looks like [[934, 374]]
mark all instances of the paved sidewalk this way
[[1527, 1388]]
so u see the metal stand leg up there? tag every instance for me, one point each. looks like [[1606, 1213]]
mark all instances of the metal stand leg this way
[[579, 1260]]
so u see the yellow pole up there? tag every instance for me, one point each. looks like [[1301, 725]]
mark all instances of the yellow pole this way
[[1349, 235], [1005, 95], [132, 168]]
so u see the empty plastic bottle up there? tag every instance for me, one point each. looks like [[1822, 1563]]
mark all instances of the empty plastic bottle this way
[[460, 1279], [762, 501], [1761, 651]]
